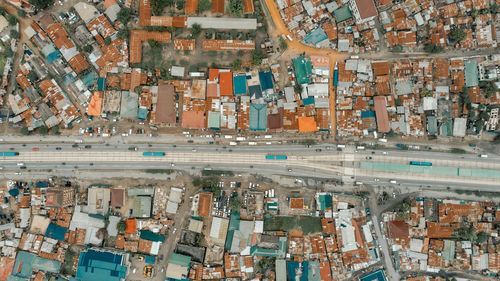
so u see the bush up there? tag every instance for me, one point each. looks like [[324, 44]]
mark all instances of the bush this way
[[12, 20], [235, 7], [236, 64], [88, 48], [457, 34], [21, 13], [107, 41], [195, 30], [124, 15], [25, 131], [431, 48], [123, 33], [41, 4], [157, 6], [457, 151], [203, 5], [179, 5], [43, 130], [257, 57], [397, 49], [283, 44], [14, 34]]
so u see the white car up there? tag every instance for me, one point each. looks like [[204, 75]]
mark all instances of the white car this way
[[377, 179]]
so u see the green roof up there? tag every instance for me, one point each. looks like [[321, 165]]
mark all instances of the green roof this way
[[471, 74], [151, 236], [213, 120], [343, 13], [180, 260], [325, 201], [258, 117], [142, 207], [303, 69], [280, 253], [449, 250], [140, 191]]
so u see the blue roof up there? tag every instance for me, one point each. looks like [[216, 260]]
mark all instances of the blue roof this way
[[303, 69], [56, 232], [101, 83], [240, 85], [258, 117], [14, 192], [316, 36], [367, 114], [266, 80], [89, 79], [151, 236], [142, 113], [150, 259], [308, 101], [53, 56], [100, 266], [255, 91], [471, 74], [42, 184], [377, 275], [26, 262]]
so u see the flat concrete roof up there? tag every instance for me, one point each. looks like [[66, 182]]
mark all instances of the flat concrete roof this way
[[223, 23]]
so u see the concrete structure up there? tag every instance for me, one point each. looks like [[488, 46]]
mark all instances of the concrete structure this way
[[223, 23]]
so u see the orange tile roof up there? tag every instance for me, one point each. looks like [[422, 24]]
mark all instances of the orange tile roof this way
[[144, 13], [6, 266], [130, 226], [307, 124], [212, 90], [228, 45], [248, 7], [324, 271], [380, 68], [184, 44], [217, 6], [120, 242], [296, 203], [23, 81], [102, 26], [226, 83], [436, 230], [95, 104], [193, 119], [136, 38], [78, 63], [204, 204], [191, 7], [109, 3]]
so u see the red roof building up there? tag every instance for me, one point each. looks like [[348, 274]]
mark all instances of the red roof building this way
[[226, 83], [382, 114]]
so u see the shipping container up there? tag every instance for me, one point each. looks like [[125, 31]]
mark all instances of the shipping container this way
[[425, 163], [415, 163], [281, 157], [158, 153], [147, 154], [10, 153], [270, 157]]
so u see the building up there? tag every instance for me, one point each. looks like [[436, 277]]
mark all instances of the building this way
[[363, 10], [178, 266], [100, 264], [98, 200], [117, 197], [60, 197], [164, 111], [142, 207]]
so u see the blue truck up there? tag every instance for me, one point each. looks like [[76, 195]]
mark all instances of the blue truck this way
[[276, 157], [153, 154], [418, 163], [9, 153]]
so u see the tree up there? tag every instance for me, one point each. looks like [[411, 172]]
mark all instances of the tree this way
[[12, 20], [283, 44], [179, 5], [431, 48], [107, 41], [122, 226], [154, 44], [196, 182], [479, 125], [41, 4], [21, 13], [25, 131], [138, 89], [397, 49], [88, 48], [195, 30], [425, 93], [236, 64], [14, 34], [157, 6], [257, 56], [496, 140], [265, 264], [235, 204], [235, 7], [398, 102], [203, 5], [403, 210], [489, 88], [494, 8], [55, 130], [2, 11], [457, 34], [43, 130], [124, 15], [123, 33]]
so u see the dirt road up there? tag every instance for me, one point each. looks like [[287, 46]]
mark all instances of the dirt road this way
[[295, 47]]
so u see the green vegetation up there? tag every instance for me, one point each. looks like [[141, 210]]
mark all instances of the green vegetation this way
[[236, 64], [265, 264], [12, 20], [88, 48], [154, 44], [157, 6], [457, 34], [43, 130], [465, 233], [210, 184], [207, 173], [287, 223], [235, 7], [403, 210], [203, 5], [25, 131], [21, 13], [494, 8], [235, 204], [308, 142], [122, 226], [67, 267], [425, 93], [431, 48], [107, 41], [283, 44], [489, 88], [159, 171], [55, 130], [392, 134], [2, 11], [14, 34], [138, 89], [397, 49], [123, 33], [195, 30], [179, 5], [41, 4], [257, 56], [124, 15], [478, 193], [496, 140], [457, 150]]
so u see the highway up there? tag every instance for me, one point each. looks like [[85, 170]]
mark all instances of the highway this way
[[321, 161]]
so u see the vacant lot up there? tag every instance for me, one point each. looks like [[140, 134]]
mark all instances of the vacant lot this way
[[305, 224]]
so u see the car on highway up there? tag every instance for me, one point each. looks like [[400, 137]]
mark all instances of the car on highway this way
[[289, 170], [368, 212], [318, 150], [74, 145], [193, 150], [18, 173], [133, 148], [393, 181], [58, 148], [35, 149], [377, 179], [20, 164], [88, 146]]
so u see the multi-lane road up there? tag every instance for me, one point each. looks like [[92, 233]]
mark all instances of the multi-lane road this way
[[322, 161]]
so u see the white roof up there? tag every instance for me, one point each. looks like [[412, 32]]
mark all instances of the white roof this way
[[222, 23], [25, 215], [258, 227], [172, 207], [113, 225], [175, 195], [177, 71], [85, 11]]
